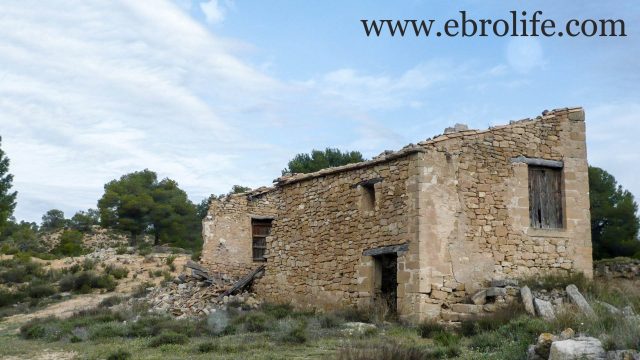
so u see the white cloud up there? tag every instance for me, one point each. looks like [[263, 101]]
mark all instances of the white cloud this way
[[84, 100], [355, 90], [213, 11]]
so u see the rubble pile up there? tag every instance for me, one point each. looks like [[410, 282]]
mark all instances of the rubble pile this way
[[198, 293]]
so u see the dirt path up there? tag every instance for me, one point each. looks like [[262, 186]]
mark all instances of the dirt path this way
[[62, 309]]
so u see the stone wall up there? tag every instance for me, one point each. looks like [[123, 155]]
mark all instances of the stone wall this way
[[618, 268], [226, 231], [475, 197], [459, 201]]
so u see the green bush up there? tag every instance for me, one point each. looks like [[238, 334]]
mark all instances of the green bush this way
[[429, 328], [39, 290], [296, 334], [70, 244], [121, 250], [116, 271], [277, 311], [120, 355], [386, 351], [170, 259], [9, 298], [252, 322], [85, 281], [209, 347], [111, 301], [329, 321], [168, 337]]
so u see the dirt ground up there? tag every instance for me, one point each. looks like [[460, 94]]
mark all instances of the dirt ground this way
[[138, 266]]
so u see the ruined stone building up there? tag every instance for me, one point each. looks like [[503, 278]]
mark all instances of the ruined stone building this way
[[426, 225]]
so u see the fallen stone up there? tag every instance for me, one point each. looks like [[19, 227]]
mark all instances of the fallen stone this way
[[544, 309], [504, 282], [357, 328], [543, 346], [586, 348], [567, 333], [527, 300], [480, 298], [576, 297], [496, 291], [608, 307], [628, 311]]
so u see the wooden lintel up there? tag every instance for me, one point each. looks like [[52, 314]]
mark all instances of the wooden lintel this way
[[538, 162], [386, 250]]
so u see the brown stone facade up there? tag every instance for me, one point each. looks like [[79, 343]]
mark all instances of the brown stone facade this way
[[456, 206]]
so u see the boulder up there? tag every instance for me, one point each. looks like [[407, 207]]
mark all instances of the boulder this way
[[496, 291], [504, 282], [480, 298], [527, 300], [586, 348], [567, 333], [544, 309], [628, 311], [576, 297], [543, 346], [357, 328], [608, 307]]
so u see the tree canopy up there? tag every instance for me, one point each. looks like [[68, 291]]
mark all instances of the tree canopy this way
[[7, 197], [318, 160], [53, 220], [614, 220], [138, 203]]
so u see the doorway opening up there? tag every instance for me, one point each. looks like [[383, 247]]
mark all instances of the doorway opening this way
[[387, 280]]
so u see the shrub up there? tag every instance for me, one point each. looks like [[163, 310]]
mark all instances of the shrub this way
[[196, 255], [170, 259], [84, 281], [329, 321], [277, 311], [10, 298], [386, 351], [38, 290], [208, 347], [119, 355], [168, 337], [429, 328], [116, 271], [297, 334], [121, 250], [70, 244], [252, 322], [141, 290], [111, 301]]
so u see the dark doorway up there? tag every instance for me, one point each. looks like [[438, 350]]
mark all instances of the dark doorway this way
[[387, 279]]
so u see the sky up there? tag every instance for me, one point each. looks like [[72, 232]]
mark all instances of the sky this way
[[213, 93]]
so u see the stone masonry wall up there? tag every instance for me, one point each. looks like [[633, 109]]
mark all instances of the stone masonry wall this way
[[226, 232], [315, 251], [460, 201], [475, 204]]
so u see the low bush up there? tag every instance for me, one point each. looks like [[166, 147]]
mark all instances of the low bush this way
[[85, 281], [277, 311], [111, 301], [387, 351], [208, 347], [116, 271], [168, 337], [120, 355], [329, 321], [39, 290], [429, 328], [9, 297]]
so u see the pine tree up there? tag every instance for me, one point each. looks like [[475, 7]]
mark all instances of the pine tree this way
[[7, 198]]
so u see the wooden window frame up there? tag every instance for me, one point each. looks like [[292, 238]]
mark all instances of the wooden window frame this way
[[546, 201], [260, 230]]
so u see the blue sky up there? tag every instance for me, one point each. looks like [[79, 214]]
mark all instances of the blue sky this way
[[216, 93]]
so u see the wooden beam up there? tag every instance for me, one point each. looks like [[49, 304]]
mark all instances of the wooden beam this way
[[538, 162], [386, 250]]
